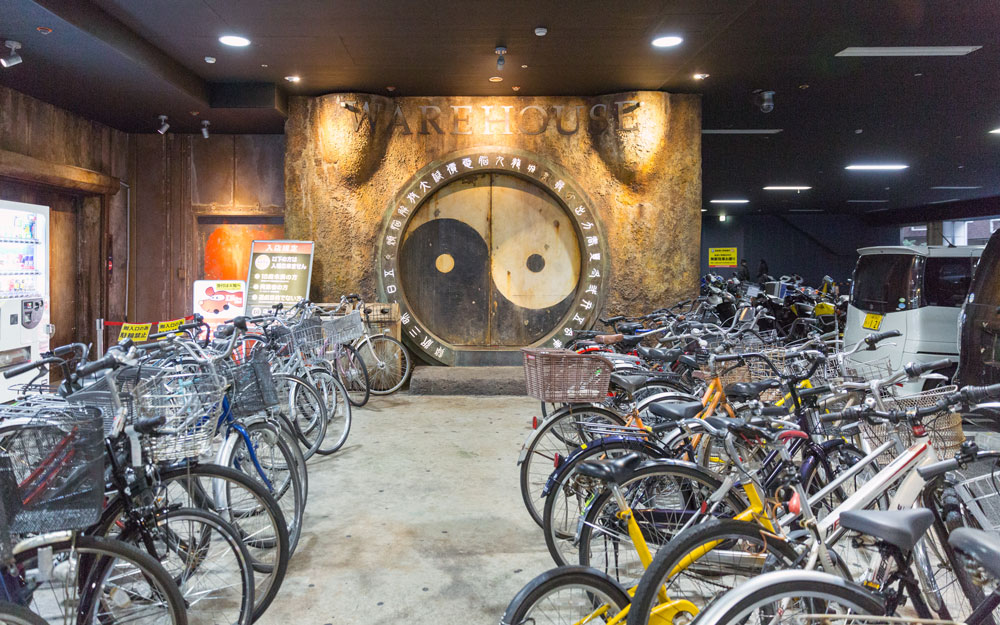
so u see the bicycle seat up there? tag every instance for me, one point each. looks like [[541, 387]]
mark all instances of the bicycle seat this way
[[981, 546], [614, 471], [629, 328], [586, 334], [676, 410], [608, 339], [743, 391], [752, 429], [688, 361], [629, 383], [902, 528], [632, 341], [661, 355]]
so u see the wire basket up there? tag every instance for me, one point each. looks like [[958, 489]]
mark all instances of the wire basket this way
[[344, 329], [190, 403], [944, 428], [51, 468], [876, 369], [252, 388], [381, 313], [981, 497], [562, 375], [98, 395], [307, 337]]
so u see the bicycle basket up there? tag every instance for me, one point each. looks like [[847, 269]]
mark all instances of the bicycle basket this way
[[190, 403], [876, 369], [51, 468], [307, 338], [251, 387], [944, 428], [98, 395], [981, 496], [562, 375], [344, 329]]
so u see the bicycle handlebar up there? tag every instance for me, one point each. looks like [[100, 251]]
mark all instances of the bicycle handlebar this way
[[28, 366]]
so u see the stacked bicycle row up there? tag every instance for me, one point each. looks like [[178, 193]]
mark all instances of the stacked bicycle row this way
[[167, 481], [664, 477]]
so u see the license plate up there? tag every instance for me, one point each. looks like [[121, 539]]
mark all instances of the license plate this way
[[872, 322]]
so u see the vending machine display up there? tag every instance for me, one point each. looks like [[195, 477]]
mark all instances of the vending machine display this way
[[24, 288]]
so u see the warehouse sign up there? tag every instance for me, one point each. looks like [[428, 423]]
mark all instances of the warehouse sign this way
[[279, 273], [722, 257]]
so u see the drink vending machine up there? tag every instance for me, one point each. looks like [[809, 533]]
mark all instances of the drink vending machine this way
[[24, 289]]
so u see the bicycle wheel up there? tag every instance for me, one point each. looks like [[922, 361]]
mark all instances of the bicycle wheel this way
[[714, 557], [353, 374], [338, 411], [558, 436], [270, 461], [13, 614], [785, 597], [663, 495], [87, 579], [566, 596], [301, 404], [387, 361], [206, 559], [248, 507]]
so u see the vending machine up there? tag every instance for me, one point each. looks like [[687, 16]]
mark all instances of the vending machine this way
[[24, 289]]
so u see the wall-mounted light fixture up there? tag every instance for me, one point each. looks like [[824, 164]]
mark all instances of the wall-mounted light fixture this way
[[204, 128], [13, 58], [164, 126]]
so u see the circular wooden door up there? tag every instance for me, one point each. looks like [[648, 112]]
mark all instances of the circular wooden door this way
[[490, 260]]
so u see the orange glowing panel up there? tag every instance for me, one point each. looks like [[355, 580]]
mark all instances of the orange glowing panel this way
[[227, 248]]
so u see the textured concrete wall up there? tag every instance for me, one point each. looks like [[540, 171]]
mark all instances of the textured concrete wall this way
[[348, 155]]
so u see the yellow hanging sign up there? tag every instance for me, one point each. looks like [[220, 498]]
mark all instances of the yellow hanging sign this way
[[135, 331], [722, 257]]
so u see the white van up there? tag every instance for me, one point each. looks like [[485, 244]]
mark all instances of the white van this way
[[917, 290]]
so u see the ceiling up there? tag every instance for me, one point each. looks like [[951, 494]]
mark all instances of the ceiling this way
[[123, 63]]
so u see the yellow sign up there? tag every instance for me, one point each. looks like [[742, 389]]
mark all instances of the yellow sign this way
[[872, 322], [135, 331], [722, 257], [169, 326]]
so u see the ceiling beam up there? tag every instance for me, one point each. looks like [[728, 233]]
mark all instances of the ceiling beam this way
[[962, 209], [65, 177], [93, 20]]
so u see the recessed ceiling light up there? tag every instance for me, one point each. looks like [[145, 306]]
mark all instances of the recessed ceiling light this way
[[390, 88], [729, 201], [234, 40], [956, 188], [908, 51], [210, 59], [263, 65], [867, 201], [786, 188], [293, 78], [667, 42], [516, 88], [804, 86], [496, 78], [878, 167], [741, 131], [995, 131], [524, 67], [701, 76], [45, 30], [541, 31], [722, 217]]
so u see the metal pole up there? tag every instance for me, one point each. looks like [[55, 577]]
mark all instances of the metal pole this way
[[100, 338]]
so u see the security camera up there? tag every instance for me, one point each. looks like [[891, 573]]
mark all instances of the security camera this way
[[764, 100]]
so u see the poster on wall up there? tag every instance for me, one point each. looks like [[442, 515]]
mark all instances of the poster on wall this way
[[722, 257], [280, 272], [219, 301]]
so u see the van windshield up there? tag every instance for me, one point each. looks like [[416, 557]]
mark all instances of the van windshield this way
[[886, 282]]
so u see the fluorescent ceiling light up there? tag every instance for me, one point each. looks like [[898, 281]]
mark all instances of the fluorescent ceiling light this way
[[234, 40], [293, 78], [722, 217], [956, 188], [805, 210], [729, 201], [954, 199], [774, 188], [744, 131], [908, 51], [877, 167], [867, 201], [995, 131], [877, 210], [704, 210], [667, 42]]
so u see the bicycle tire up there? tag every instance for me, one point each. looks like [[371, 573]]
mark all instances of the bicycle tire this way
[[99, 558], [733, 607], [294, 390], [195, 594], [259, 520], [277, 460], [689, 487], [14, 614], [541, 447], [338, 413], [595, 586], [353, 374], [781, 555], [388, 362]]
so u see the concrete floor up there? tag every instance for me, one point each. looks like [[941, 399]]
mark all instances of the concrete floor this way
[[418, 518]]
